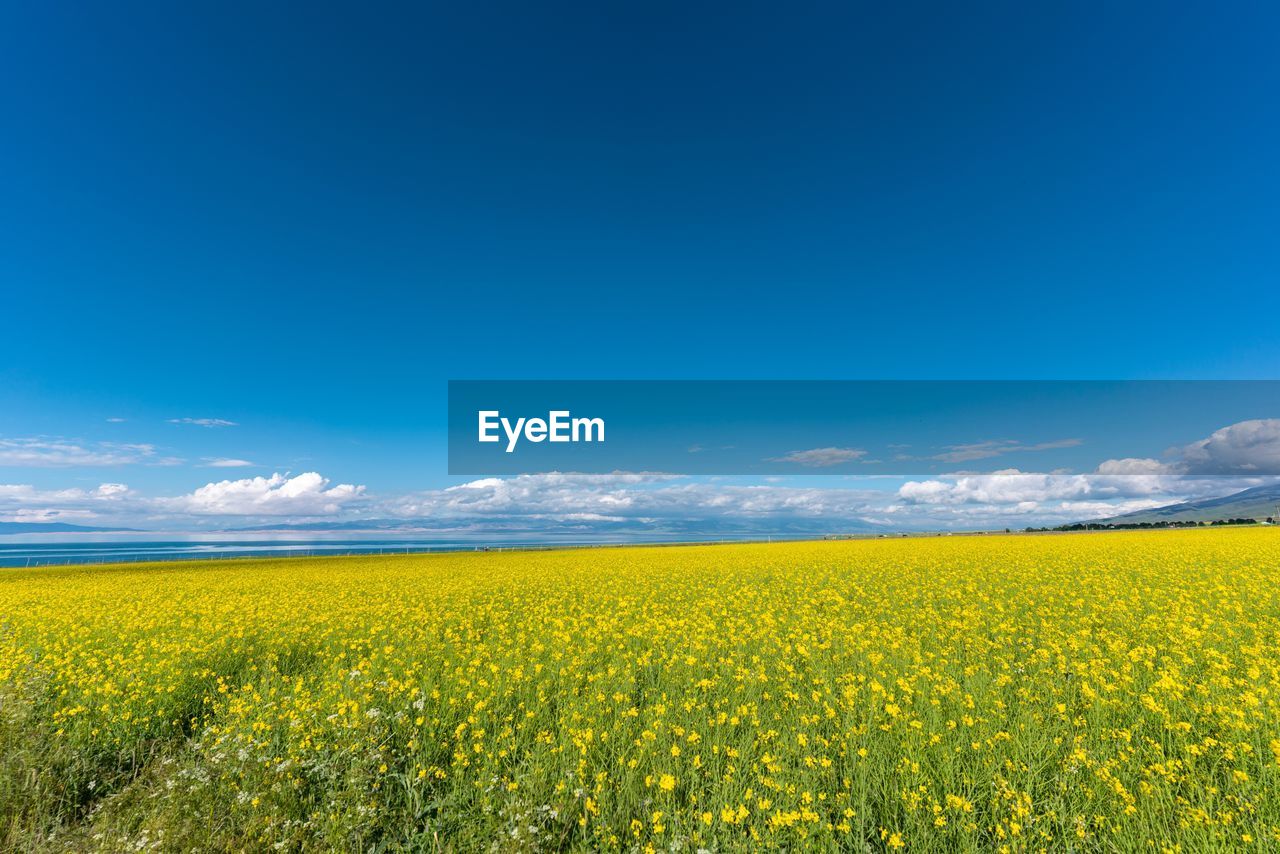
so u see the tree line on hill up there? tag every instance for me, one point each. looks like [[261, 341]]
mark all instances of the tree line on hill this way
[[1125, 526]]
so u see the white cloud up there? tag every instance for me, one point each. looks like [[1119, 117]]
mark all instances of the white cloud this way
[[222, 463], [307, 494], [22, 502], [115, 420], [25, 492], [1243, 448], [669, 504], [204, 422], [43, 452], [651, 499], [48, 514], [1011, 486], [820, 457], [988, 449], [1136, 465], [1124, 486], [1007, 487]]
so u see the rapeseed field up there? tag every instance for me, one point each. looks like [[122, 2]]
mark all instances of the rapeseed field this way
[[1095, 692]]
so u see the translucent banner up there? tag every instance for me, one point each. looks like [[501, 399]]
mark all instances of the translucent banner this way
[[864, 427]]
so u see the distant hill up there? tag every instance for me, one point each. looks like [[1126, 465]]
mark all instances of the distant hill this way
[[1258, 502], [53, 528]]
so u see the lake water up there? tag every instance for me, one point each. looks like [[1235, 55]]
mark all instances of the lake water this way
[[44, 550]]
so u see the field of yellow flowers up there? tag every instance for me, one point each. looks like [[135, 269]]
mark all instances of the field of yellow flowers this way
[[1078, 692]]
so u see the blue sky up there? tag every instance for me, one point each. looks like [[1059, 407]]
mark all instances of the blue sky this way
[[305, 220]]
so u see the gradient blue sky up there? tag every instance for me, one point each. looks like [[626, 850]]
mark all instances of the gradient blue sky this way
[[305, 219]]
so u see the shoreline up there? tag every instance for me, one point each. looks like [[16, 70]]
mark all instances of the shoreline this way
[[278, 549]]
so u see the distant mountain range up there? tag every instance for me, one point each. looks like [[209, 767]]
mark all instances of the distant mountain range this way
[[53, 528], [1258, 502]]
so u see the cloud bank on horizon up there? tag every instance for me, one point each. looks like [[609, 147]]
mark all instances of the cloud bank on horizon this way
[[1227, 460]]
